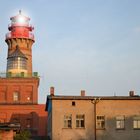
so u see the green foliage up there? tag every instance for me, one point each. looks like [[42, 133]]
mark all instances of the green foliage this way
[[24, 135]]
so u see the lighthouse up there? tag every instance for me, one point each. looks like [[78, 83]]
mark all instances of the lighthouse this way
[[19, 108], [19, 40]]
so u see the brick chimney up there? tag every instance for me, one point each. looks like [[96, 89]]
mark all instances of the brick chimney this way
[[82, 92], [131, 93], [52, 91]]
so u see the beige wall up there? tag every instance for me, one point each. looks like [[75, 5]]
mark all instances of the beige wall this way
[[109, 108], [113, 108], [65, 107]]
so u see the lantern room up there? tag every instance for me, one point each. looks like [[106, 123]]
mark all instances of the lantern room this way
[[17, 63], [20, 27]]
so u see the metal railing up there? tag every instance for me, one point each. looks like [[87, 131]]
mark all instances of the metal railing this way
[[9, 35], [20, 75], [9, 125], [19, 24]]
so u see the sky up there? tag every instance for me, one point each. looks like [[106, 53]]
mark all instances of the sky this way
[[91, 45]]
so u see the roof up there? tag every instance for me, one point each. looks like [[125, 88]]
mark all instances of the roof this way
[[19, 14], [59, 97], [17, 53]]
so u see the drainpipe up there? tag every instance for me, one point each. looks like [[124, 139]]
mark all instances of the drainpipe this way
[[94, 102]]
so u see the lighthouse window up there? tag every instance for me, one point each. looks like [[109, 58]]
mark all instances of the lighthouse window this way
[[15, 96], [17, 63], [20, 20]]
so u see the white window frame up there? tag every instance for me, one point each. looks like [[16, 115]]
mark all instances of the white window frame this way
[[16, 96], [136, 122], [68, 121], [80, 121], [120, 122], [100, 122]]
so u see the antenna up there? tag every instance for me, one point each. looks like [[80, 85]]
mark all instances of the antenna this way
[[20, 12]]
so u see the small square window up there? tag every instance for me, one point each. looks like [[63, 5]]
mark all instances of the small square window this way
[[73, 103]]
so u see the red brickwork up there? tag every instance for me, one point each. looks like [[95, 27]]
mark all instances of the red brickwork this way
[[6, 135], [26, 87], [27, 112], [32, 117]]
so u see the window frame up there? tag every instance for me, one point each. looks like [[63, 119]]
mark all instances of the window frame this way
[[100, 122], [67, 121], [136, 122], [80, 121], [16, 96], [120, 122]]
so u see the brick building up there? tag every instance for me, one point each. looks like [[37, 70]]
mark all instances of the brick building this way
[[93, 118], [19, 108]]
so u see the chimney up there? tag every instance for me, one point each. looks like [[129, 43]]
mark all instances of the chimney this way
[[82, 92], [52, 91], [131, 93]]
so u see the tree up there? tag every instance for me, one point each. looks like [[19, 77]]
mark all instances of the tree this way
[[24, 135]]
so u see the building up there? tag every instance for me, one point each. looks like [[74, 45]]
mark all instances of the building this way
[[19, 106], [93, 118]]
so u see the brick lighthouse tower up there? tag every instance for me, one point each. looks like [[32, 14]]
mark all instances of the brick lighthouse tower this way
[[19, 108], [19, 40]]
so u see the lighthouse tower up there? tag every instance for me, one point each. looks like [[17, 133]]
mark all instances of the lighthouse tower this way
[[20, 85], [20, 40], [19, 108]]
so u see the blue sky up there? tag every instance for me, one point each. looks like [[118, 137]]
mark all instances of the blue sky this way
[[81, 44]]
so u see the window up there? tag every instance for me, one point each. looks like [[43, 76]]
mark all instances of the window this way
[[67, 121], [100, 122], [73, 103], [136, 122], [28, 96], [120, 122], [16, 96], [28, 123], [17, 63], [80, 121], [15, 120]]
